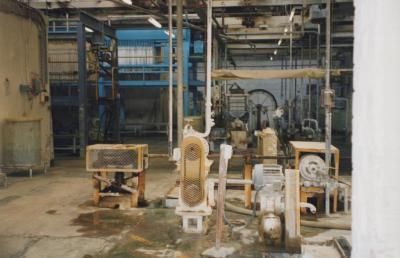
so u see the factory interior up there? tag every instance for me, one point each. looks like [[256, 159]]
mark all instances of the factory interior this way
[[199, 128]]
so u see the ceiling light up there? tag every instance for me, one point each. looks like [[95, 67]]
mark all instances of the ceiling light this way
[[276, 51], [292, 15], [280, 42], [127, 1], [167, 32], [285, 30], [88, 29], [154, 22], [271, 58]]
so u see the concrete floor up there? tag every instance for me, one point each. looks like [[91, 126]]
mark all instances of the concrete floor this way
[[52, 216]]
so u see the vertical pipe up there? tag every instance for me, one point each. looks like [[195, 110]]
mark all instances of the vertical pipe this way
[[327, 103], [101, 92], [318, 65], [185, 56], [179, 54], [223, 160], [291, 80], [81, 44], [309, 80], [170, 82], [115, 92], [67, 18], [208, 118], [346, 199]]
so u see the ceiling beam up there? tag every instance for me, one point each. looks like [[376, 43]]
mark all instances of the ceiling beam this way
[[269, 21], [238, 3], [81, 4]]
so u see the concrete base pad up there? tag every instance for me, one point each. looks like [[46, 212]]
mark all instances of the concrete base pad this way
[[222, 252]]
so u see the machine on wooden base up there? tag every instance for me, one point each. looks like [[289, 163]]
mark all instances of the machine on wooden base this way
[[118, 172]]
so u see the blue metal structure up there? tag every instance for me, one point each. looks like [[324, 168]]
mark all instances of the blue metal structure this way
[[143, 62], [152, 71]]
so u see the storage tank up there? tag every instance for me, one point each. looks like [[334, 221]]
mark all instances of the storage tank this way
[[25, 112]]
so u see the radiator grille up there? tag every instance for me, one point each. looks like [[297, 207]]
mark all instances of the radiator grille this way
[[192, 179], [118, 158]]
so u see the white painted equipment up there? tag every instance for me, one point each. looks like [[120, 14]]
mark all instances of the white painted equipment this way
[[313, 171], [279, 206], [193, 204]]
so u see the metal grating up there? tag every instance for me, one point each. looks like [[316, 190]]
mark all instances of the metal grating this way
[[193, 189], [118, 158]]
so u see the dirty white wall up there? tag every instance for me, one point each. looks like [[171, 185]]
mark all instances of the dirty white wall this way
[[376, 144], [20, 59]]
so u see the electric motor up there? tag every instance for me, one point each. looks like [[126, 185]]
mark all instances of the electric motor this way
[[313, 170]]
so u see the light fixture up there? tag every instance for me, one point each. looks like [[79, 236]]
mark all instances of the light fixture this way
[[154, 22], [285, 30], [167, 32], [280, 42], [292, 15], [271, 58], [276, 51], [127, 1], [88, 29]]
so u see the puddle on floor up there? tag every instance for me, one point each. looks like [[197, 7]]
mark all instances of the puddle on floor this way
[[156, 233], [103, 223]]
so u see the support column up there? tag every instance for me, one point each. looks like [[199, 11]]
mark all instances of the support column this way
[[328, 99], [376, 144], [186, 53], [170, 83], [179, 57], [83, 129]]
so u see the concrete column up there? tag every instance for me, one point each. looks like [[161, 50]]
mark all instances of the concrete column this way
[[376, 129]]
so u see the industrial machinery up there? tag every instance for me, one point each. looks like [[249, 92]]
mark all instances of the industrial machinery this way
[[237, 116], [127, 163], [310, 129], [279, 206], [317, 181], [267, 144], [262, 105], [193, 204], [313, 171]]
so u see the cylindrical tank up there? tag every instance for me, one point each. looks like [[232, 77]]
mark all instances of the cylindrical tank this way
[[24, 87]]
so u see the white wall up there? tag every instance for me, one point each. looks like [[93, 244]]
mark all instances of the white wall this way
[[376, 128]]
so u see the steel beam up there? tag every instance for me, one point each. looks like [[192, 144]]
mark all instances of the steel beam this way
[[96, 25], [80, 4], [83, 128], [238, 3], [179, 55]]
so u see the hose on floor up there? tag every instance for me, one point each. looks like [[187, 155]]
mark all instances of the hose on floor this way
[[312, 224]]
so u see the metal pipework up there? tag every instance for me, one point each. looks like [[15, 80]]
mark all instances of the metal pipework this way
[[226, 154], [170, 83], [327, 100], [208, 116]]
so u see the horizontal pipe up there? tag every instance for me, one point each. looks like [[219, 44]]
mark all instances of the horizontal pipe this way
[[234, 181], [238, 156], [306, 223]]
